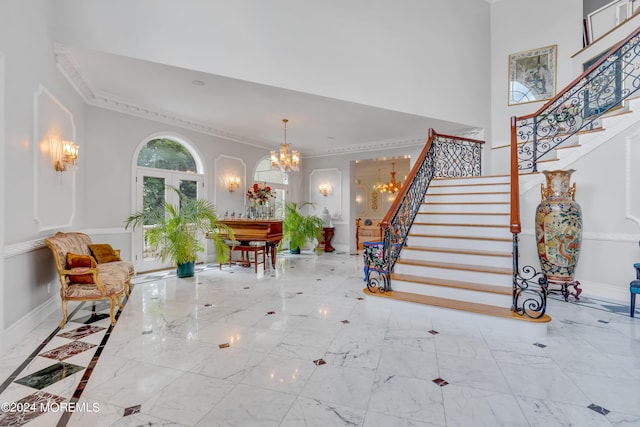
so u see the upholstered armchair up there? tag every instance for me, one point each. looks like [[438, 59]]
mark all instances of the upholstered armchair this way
[[89, 272]]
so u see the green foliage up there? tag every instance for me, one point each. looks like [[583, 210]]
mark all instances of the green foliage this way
[[175, 234], [296, 227], [166, 154]]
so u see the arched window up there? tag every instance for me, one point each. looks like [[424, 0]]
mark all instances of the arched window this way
[[163, 162], [276, 180]]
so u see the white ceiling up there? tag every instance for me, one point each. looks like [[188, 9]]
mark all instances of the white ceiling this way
[[238, 110]]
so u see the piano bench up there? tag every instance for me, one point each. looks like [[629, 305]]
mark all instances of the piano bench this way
[[245, 257]]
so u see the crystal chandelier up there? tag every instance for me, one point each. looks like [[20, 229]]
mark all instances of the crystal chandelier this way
[[284, 160], [392, 186], [378, 186]]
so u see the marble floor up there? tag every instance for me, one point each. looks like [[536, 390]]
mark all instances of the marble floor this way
[[300, 346]]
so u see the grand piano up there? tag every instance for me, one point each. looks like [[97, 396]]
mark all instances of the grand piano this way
[[257, 230]]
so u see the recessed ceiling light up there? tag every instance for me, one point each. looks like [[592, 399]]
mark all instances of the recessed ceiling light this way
[[198, 83]]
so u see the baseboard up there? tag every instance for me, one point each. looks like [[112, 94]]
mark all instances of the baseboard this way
[[17, 331], [604, 291]]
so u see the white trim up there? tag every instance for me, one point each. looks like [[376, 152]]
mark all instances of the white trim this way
[[35, 143], [336, 191], [23, 247], [15, 333], [604, 290], [215, 174]]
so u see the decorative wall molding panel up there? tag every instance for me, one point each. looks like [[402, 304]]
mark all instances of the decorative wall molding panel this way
[[632, 180], [226, 166], [54, 193], [333, 201]]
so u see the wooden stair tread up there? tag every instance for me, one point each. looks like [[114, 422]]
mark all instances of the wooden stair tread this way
[[464, 213], [468, 185], [457, 251], [489, 310], [454, 266], [474, 193], [568, 146], [457, 284], [465, 203], [439, 236], [449, 224], [469, 177]]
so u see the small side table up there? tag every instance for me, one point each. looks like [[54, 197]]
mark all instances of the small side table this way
[[325, 239]]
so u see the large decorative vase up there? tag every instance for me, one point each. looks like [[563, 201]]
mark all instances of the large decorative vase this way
[[559, 230]]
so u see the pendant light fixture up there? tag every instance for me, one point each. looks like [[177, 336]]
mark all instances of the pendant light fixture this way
[[284, 160]]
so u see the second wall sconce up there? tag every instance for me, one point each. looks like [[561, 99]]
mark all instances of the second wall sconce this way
[[324, 189], [232, 183], [63, 153]]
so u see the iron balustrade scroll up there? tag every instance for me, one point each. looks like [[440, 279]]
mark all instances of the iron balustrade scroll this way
[[442, 156], [602, 87], [613, 78], [457, 157], [530, 289]]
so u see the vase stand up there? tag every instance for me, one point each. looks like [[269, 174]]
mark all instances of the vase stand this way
[[564, 289]]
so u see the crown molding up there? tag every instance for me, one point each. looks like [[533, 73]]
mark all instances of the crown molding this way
[[71, 71]]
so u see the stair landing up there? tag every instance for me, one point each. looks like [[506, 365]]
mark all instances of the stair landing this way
[[480, 315]]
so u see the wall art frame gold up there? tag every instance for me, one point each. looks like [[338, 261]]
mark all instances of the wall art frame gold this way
[[532, 75]]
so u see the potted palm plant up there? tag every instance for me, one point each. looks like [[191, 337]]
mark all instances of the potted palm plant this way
[[177, 230], [297, 228]]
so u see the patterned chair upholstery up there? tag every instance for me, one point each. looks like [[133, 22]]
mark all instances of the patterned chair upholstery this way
[[107, 280]]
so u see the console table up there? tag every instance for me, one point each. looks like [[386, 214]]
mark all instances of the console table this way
[[324, 242]]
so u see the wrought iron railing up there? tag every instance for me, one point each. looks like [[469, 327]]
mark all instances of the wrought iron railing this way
[[601, 88], [442, 156]]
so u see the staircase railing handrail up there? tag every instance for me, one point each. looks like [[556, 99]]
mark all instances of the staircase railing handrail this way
[[599, 89], [432, 161]]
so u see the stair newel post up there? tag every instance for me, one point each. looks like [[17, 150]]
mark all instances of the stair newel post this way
[[529, 285]]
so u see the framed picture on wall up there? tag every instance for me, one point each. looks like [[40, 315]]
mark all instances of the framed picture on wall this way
[[532, 75]]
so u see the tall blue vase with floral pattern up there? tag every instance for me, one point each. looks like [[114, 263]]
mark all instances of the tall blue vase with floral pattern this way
[[559, 228]]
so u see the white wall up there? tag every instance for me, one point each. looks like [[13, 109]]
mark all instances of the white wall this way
[[520, 25], [25, 41], [607, 188], [405, 55]]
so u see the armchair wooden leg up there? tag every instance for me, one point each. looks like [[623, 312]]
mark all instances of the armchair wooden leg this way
[[127, 287], [64, 313], [112, 310], [119, 299]]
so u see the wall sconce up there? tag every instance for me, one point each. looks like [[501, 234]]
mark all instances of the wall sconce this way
[[324, 189], [63, 153], [232, 183]]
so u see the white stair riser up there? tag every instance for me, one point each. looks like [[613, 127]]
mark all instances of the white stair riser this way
[[472, 180], [440, 189], [457, 198], [465, 207], [472, 244], [453, 230], [444, 218], [461, 275], [452, 293], [479, 260]]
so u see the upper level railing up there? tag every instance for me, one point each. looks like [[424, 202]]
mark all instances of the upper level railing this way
[[601, 88], [442, 156]]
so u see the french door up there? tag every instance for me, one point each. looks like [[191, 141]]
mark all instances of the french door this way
[[152, 191]]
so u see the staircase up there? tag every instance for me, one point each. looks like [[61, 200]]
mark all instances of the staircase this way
[[457, 262]]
